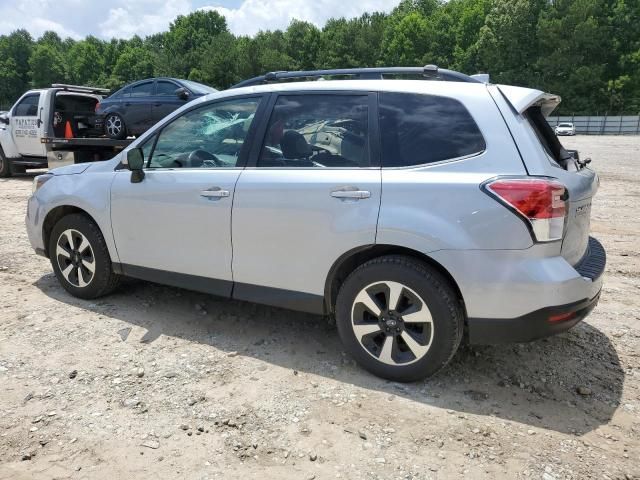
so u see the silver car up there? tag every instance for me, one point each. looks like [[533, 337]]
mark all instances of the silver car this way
[[415, 211]]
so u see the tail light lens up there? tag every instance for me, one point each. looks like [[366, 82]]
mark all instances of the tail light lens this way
[[97, 107], [540, 202]]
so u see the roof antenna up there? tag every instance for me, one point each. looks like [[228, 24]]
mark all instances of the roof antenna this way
[[430, 71], [483, 77]]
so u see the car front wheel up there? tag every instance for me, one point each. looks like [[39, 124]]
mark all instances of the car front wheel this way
[[399, 318], [80, 258]]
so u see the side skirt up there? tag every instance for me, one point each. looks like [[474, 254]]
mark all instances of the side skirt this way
[[289, 299]]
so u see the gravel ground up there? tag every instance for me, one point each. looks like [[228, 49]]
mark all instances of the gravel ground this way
[[157, 382]]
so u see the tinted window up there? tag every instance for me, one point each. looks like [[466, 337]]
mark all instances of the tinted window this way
[[418, 129], [208, 137], [28, 106], [317, 131], [166, 88], [142, 90]]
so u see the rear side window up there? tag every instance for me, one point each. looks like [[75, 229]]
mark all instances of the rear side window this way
[[419, 129], [317, 131]]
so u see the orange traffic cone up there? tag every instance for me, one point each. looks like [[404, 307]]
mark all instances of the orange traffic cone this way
[[68, 133]]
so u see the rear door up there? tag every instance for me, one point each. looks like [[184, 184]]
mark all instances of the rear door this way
[[165, 100], [27, 124], [137, 107], [311, 194]]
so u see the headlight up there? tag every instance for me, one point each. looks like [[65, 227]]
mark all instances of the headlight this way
[[39, 181]]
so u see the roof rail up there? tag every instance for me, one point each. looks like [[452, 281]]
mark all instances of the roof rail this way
[[80, 88], [429, 72]]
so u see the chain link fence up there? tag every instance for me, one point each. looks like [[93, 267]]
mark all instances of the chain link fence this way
[[601, 125]]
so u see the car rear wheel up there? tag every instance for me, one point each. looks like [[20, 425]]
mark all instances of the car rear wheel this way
[[80, 258], [114, 127], [399, 318]]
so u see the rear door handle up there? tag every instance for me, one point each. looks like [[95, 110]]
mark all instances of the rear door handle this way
[[351, 193], [215, 192]]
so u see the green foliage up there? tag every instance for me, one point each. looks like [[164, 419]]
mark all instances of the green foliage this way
[[47, 66], [588, 51]]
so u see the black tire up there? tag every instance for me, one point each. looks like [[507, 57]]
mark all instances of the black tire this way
[[103, 280], [5, 166], [109, 128], [421, 285]]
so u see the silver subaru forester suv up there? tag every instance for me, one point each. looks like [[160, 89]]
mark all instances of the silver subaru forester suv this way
[[416, 205]]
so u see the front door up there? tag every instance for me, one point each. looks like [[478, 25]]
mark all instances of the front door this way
[[174, 227], [26, 126], [312, 195], [165, 100]]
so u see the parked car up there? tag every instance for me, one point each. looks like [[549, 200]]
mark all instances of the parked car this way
[[136, 107], [565, 129], [411, 210]]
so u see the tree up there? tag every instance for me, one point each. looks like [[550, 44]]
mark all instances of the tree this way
[[406, 42], [135, 63], [85, 62], [47, 66]]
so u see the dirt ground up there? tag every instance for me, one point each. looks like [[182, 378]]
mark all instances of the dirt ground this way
[[157, 382]]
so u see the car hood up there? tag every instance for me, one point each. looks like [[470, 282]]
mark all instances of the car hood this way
[[74, 169]]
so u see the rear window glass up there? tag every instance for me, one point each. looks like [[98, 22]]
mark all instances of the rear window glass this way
[[546, 136], [418, 129]]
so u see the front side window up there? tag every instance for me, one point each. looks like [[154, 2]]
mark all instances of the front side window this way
[[142, 89], [317, 131], [208, 137], [164, 88], [28, 106], [418, 129]]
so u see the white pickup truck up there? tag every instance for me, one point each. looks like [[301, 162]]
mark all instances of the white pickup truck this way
[[52, 127]]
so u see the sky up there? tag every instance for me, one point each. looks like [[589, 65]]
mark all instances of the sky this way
[[125, 18]]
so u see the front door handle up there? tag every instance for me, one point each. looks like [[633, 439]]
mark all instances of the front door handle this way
[[215, 192], [351, 193]]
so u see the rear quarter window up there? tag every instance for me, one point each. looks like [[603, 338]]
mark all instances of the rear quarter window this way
[[419, 129]]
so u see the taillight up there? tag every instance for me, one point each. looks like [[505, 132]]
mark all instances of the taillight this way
[[97, 107], [540, 202]]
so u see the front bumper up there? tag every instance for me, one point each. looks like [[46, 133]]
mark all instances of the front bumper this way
[[33, 221]]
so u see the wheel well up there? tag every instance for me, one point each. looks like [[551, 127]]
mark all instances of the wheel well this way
[[53, 217], [351, 260]]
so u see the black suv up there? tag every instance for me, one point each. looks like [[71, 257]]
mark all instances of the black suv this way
[[133, 109]]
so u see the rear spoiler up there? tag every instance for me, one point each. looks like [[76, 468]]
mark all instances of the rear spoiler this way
[[81, 89], [522, 98]]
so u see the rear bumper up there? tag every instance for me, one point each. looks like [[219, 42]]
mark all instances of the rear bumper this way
[[513, 295], [539, 324]]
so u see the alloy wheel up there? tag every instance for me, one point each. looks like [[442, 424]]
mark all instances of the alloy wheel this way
[[392, 323], [75, 258], [114, 125]]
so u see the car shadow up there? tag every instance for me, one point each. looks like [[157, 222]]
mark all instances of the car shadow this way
[[570, 383]]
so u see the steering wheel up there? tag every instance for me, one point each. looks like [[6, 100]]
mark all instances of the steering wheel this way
[[199, 158]]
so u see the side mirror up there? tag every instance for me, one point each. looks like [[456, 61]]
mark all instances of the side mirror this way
[[135, 163], [4, 119], [182, 93]]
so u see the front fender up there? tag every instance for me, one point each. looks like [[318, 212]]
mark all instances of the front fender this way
[[90, 192]]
